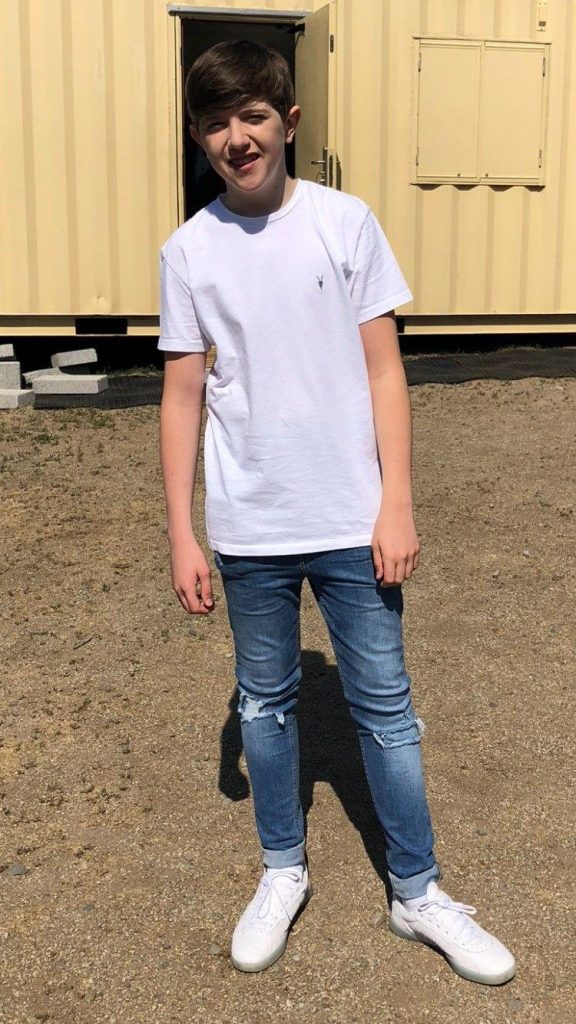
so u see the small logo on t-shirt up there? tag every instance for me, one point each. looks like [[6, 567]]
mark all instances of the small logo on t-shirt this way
[[320, 281]]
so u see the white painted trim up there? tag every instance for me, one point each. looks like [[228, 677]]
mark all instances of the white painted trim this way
[[235, 13]]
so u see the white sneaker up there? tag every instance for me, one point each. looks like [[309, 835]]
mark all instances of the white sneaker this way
[[261, 934], [439, 922]]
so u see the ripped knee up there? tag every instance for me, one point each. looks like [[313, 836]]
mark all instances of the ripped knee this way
[[401, 736], [250, 708]]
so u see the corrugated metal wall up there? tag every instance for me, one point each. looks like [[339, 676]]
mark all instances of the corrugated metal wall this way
[[89, 157], [478, 250], [88, 181]]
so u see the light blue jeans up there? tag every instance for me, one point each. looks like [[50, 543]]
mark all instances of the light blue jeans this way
[[365, 625]]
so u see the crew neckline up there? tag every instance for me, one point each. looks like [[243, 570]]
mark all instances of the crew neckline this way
[[261, 217]]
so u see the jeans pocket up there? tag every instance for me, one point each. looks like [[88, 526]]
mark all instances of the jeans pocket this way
[[217, 561]]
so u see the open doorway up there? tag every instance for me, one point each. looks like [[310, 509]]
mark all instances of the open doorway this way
[[201, 183]]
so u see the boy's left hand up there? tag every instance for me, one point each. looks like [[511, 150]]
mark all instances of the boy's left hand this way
[[395, 546]]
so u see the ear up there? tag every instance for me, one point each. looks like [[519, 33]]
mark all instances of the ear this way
[[290, 123], [196, 136]]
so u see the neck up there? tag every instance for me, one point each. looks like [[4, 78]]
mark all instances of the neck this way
[[263, 202]]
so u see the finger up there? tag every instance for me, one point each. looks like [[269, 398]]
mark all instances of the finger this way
[[400, 570], [182, 597], [377, 559], [389, 577], [196, 605], [206, 595], [191, 600], [409, 567], [417, 555]]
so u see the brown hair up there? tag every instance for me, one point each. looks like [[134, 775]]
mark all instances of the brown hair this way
[[229, 74]]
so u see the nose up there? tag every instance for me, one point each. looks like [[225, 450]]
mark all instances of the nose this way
[[237, 134]]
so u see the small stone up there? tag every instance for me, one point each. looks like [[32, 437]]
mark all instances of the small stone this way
[[514, 1004], [4, 935], [17, 869], [378, 919], [87, 907], [526, 553], [215, 950], [496, 574]]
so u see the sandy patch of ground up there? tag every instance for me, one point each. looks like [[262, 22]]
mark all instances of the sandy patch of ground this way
[[128, 848]]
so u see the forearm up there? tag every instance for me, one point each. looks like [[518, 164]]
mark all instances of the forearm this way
[[393, 427], [180, 424], [390, 409], [395, 545]]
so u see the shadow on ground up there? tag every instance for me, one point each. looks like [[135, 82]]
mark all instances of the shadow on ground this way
[[329, 752]]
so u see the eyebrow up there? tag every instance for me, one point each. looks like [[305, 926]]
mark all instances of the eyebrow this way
[[220, 115]]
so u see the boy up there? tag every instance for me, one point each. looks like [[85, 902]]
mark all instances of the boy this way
[[307, 462]]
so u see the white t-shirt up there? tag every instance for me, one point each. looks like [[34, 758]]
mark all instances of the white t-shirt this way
[[291, 461]]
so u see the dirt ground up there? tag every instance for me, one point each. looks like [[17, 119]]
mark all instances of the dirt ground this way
[[128, 849]]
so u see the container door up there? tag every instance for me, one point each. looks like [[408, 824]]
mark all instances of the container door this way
[[314, 81]]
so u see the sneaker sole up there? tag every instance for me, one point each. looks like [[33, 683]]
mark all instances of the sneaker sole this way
[[404, 932], [251, 968]]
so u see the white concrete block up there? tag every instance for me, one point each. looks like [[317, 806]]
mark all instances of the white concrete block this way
[[78, 358], [32, 374], [10, 375], [11, 398], [70, 384], [6, 351]]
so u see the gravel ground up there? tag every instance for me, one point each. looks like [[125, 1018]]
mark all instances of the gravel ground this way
[[128, 848]]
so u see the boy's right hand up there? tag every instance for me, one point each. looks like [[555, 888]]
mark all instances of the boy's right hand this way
[[191, 577]]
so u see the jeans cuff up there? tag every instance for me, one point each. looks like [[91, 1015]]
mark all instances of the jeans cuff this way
[[284, 858], [415, 886]]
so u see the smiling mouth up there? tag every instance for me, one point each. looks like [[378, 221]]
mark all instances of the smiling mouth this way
[[243, 161]]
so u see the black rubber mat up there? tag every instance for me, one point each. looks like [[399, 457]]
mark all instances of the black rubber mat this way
[[127, 391], [508, 364]]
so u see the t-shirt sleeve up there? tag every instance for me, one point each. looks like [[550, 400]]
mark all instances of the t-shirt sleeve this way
[[376, 284], [179, 328]]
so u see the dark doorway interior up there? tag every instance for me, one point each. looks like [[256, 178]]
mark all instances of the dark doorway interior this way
[[201, 183]]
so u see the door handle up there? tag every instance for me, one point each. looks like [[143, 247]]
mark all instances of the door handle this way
[[323, 163]]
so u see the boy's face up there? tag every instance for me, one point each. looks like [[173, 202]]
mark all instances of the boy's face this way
[[245, 145]]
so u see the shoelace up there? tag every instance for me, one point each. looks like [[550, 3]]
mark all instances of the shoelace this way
[[269, 888], [465, 930]]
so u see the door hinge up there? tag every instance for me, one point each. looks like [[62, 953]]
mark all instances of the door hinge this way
[[543, 67], [332, 44], [417, 156], [540, 159], [419, 62]]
